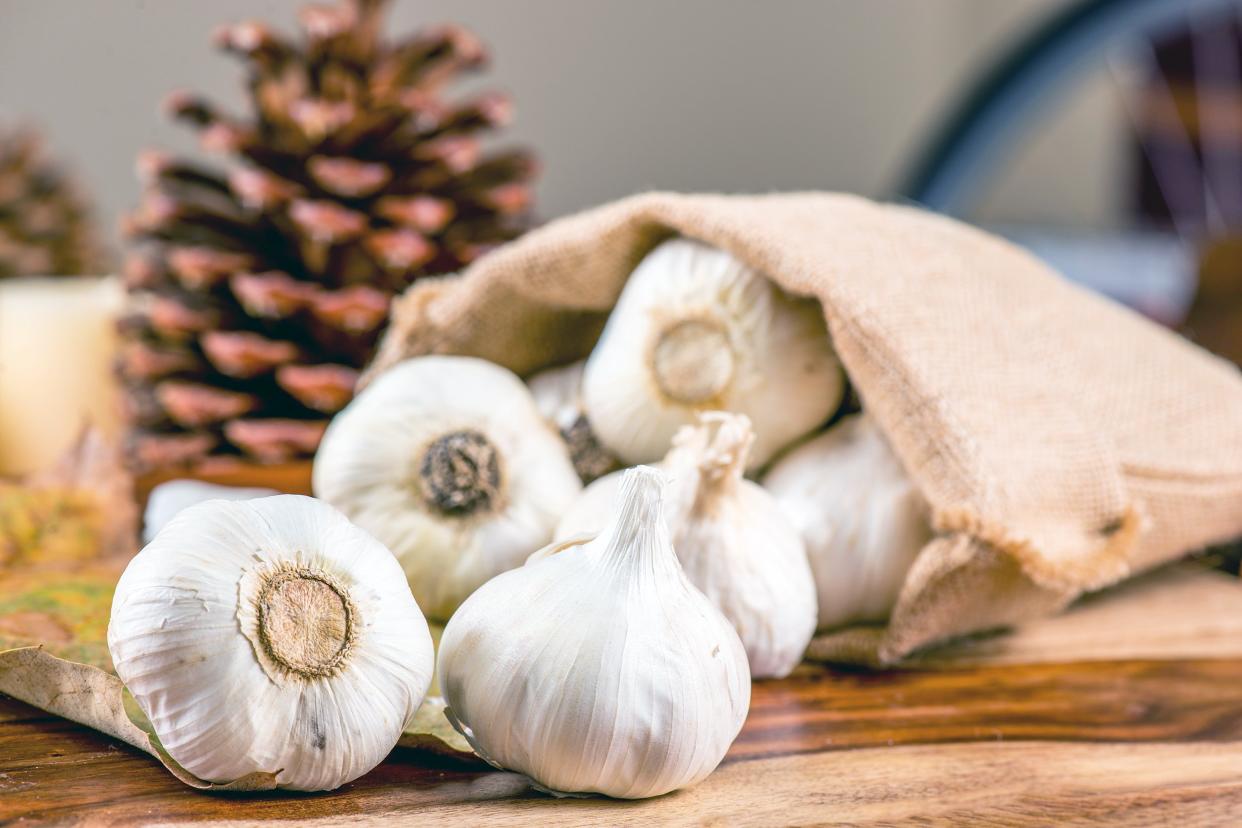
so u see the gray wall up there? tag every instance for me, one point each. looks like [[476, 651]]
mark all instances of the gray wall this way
[[616, 95]]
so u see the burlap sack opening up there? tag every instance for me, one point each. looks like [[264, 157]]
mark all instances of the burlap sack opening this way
[[1063, 442]]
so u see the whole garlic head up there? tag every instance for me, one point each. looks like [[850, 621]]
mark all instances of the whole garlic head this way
[[558, 396], [734, 542], [861, 517], [446, 460], [270, 635], [697, 330], [598, 667]]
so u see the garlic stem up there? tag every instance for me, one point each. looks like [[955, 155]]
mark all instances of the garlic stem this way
[[714, 453], [638, 534], [728, 445]]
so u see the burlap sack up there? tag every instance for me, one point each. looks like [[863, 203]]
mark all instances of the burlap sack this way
[[1063, 442]]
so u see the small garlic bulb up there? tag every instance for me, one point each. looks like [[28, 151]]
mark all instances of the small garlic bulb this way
[[862, 519], [597, 667], [558, 396], [446, 460], [697, 330], [734, 542], [167, 499], [270, 635]]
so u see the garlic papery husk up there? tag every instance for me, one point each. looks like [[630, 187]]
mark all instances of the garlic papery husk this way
[[169, 498], [598, 667], [270, 635], [558, 396], [447, 462], [861, 517], [696, 330], [734, 542]]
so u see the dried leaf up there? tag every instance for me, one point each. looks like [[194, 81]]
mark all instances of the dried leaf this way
[[66, 612], [81, 510], [432, 731], [92, 697], [95, 465]]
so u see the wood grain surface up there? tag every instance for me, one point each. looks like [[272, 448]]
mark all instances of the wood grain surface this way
[[1095, 741]]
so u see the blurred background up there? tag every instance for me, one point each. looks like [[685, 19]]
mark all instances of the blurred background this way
[[617, 96], [1106, 135]]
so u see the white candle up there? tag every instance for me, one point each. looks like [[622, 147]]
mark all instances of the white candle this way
[[57, 344]]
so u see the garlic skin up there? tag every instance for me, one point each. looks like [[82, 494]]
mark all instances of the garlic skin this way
[[270, 635], [446, 461], [558, 396], [732, 538], [862, 519], [697, 330], [167, 499], [598, 667]]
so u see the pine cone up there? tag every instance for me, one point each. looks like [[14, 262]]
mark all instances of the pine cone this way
[[45, 229], [259, 293]]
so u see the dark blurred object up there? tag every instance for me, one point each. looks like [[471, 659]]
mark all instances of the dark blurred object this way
[[257, 294], [1225, 558], [1215, 319], [1190, 165], [1189, 132], [45, 228], [1148, 264]]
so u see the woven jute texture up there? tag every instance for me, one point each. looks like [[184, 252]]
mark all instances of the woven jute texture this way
[[1063, 442]]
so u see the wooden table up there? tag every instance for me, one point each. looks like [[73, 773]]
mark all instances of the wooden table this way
[[1130, 741]]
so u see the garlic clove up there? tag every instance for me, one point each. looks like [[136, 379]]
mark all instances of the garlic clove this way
[[734, 542], [558, 396], [862, 519], [447, 461], [167, 499], [599, 668], [696, 330], [270, 635]]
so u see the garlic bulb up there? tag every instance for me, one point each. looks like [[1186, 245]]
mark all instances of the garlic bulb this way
[[558, 396], [734, 542], [598, 667], [696, 330], [447, 462], [270, 635], [167, 499], [862, 519]]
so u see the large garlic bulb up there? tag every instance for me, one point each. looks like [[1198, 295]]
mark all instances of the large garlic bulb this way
[[862, 519], [446, 460], [734, 542], [598, 667], [697, 330], [558, 396], [270, 635]]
